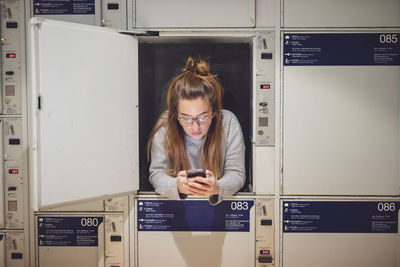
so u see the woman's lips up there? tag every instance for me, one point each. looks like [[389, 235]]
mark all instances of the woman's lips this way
[[196, 133]]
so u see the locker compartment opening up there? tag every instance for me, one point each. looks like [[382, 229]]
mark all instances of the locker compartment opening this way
[[162, 58]]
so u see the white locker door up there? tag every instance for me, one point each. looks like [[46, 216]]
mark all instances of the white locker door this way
[[333, 13], [194, 233], [83, 126], [341, 117], [65, 240], [192, 13], [345, 233]]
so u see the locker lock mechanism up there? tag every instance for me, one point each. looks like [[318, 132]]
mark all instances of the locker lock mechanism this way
[[265, 259]]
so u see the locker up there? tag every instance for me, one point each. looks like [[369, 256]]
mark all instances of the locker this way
[[66, 172], [340, 232], [237, 232], [95, 240], [331, 13], [193, 14], [341, 114]]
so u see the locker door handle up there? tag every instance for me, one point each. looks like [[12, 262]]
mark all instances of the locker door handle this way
[[39, 102]]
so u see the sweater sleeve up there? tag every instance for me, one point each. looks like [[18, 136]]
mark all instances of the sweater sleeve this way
[[163, 184], [234, 172]]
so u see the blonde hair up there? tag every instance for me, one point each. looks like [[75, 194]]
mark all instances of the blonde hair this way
[[195, 81]]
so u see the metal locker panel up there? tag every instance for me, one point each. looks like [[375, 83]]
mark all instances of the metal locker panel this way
[[15, 249], [156, 13], [66, 240], [2, 180], [114, 14], [114, 240], [264, 91], [11, 56], [84, 113], [344, 13], [13, 173], [321, 234], [131, 224], [13, 142], [265, 233], [2, 249], [183, 240], [116, 204], [340, 128]]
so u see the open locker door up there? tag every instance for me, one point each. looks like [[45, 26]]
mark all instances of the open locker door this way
[[83, 121]]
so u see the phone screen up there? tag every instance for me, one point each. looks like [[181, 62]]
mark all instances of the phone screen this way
[[196, 172]]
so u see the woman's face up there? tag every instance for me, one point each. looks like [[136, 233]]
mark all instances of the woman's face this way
[[195, 116]]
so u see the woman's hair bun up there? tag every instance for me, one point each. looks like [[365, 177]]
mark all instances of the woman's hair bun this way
[[197, 67]]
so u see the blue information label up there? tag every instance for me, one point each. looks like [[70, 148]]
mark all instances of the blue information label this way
[[1, 236], [334, 49], [340, 217], [68, 231], [194, 215], [63, 7]]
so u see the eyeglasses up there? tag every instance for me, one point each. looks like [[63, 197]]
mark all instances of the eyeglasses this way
[[188, 122]]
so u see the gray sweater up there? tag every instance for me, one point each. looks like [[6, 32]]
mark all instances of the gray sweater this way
[[233, 176]]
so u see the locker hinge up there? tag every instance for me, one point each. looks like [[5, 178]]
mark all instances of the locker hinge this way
[[39, 102], [141, 33]]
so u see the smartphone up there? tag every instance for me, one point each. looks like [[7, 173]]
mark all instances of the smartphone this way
[[196, 172]]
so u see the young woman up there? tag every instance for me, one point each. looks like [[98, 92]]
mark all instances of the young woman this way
[[195, 133]]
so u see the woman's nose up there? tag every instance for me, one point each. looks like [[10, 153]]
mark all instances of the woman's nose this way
[[195, 125]]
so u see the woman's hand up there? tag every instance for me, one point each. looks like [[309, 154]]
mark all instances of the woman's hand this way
[[182, 182], [200, 186]]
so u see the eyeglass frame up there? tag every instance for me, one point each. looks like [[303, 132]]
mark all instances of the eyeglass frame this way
[[197, 118]]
